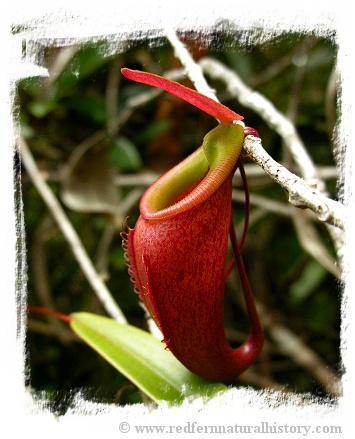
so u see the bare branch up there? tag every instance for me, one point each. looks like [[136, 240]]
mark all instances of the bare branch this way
[[306, 232], [311, 242], [70, 234], [261, 382], [40, 278], [193, 70], [63, 334], [112, 88], [301, 194], [57, 66], [330, 103], [281, 64], [291, 345], [146, 178], [132, 103], [264, 203]]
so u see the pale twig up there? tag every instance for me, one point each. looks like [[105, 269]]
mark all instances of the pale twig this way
[[306, 231], [112, 88], [193, 70], [102, 250], [325, 172], [330, 101], [63, 334], [130, 200], [146, 178], [291, 345], [283, 63], [57, 66], [261, 382], [310, 241], [263, 202], [301, 194], [40, 278], [70, 234]]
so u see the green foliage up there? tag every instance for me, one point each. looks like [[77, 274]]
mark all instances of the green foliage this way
[[124, 155], [142, 358]]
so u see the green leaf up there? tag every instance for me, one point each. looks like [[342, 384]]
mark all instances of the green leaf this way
[[88, 60], [41, 108], [92, 107], [32, 85], [142, 359], [311, 278], [125, 155], [153, 130]]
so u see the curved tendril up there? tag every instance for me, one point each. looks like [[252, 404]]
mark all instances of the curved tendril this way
[[256, 331], [50, 312], [246, 218], [247, 202]]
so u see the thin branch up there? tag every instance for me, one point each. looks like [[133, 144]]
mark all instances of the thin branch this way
[[62, 334], [330, 101], [291, 345], [132, 104], [193, 70], [129, 201], [261, 382], [112, 88], [40, 277], [306, 231], [70, 234], [301, 194], [312, 244], [263, 202], [146, 178], [102, 250], [57, 66], [283, 63]]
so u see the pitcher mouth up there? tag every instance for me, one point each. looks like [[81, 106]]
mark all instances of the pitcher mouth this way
[[195, 179], [169, 190]]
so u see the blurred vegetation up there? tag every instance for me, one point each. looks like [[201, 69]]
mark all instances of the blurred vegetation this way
[[69, 121]]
